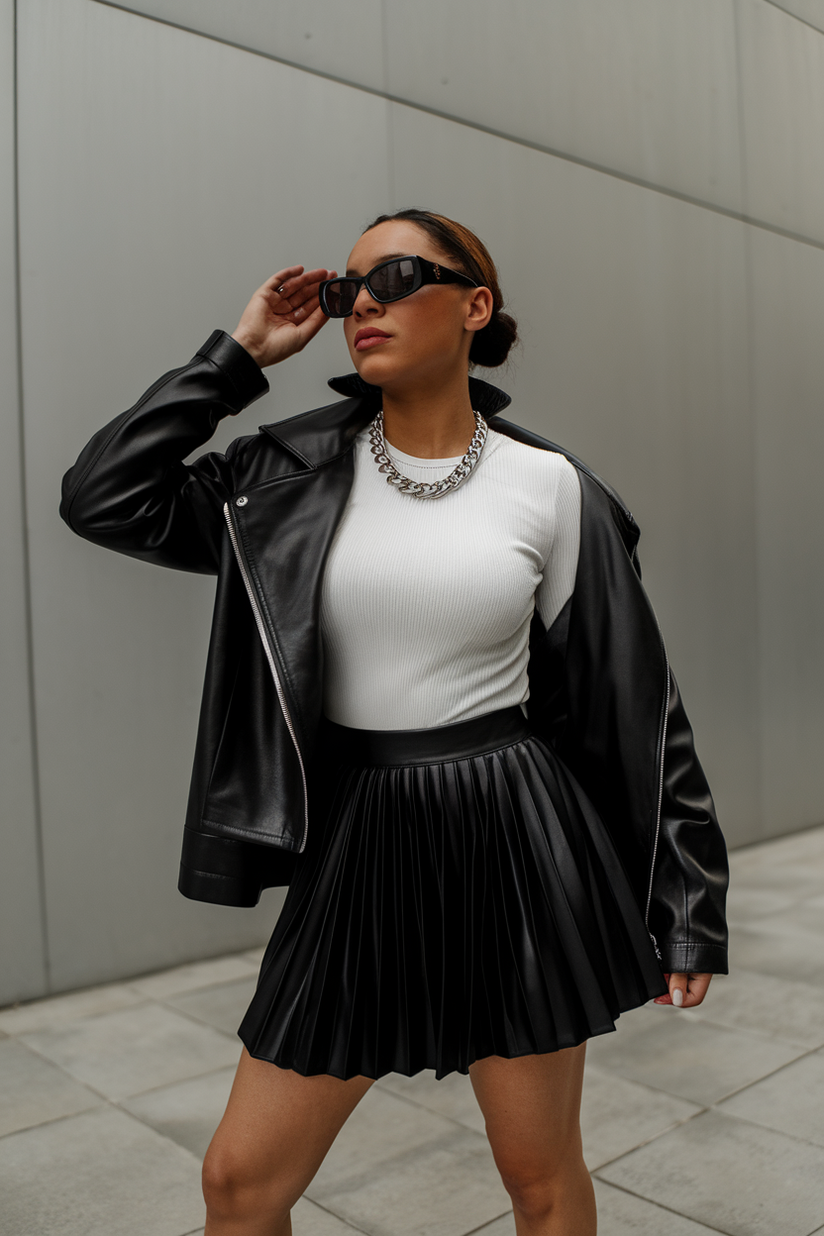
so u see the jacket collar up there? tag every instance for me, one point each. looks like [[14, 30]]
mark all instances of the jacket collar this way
[[323, 434]]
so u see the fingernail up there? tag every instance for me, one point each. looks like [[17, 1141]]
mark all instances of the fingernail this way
[[678, 997]]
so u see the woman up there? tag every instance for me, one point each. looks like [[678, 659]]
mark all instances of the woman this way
[[441, 712]]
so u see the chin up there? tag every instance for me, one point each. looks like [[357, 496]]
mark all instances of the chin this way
[[377, 370]]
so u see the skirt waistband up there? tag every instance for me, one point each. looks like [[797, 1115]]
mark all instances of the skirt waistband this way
[[458, 741]]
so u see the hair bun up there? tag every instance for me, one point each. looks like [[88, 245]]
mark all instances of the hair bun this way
[[491, 346]]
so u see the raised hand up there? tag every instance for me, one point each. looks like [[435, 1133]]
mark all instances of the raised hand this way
[[283, 315]]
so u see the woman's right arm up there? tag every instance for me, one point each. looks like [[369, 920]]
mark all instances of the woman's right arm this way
[[130, 490]]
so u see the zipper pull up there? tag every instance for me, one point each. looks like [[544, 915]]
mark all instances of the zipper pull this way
[[655, 946]]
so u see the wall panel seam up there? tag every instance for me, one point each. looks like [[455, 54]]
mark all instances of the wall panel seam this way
[[566, 156], [753, 425], [26, 551], [774, 4]]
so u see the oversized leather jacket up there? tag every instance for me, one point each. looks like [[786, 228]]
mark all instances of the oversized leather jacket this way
[[261, 518]]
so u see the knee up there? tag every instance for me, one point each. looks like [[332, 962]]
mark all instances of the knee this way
[[532, 1196], [537, 1191], [223, 1182], [230, 1188]]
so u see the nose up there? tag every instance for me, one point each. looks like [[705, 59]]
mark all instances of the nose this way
[[365, 305]]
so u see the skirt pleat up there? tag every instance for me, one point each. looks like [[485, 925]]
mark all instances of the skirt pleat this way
[[446, 912]]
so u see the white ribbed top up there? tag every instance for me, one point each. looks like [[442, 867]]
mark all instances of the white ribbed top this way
[[426, 604]]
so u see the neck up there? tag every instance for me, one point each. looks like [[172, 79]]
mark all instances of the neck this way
[[431, 424]]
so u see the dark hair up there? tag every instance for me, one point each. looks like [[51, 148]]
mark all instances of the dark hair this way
[[470, 256]]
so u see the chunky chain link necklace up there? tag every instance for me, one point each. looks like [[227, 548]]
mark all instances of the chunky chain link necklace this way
[[420, 489]]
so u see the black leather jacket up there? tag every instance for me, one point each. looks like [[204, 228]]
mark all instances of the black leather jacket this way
[[261, 518]]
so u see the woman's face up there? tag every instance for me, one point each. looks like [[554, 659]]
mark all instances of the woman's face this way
[[426, 336]]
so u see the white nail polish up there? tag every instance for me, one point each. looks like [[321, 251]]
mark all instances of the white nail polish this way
[[678, 997]]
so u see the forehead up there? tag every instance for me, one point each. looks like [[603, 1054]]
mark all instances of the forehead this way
[[396, 236]]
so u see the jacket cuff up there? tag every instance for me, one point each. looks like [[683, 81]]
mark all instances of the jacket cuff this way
[[240, 368], [687, 957]]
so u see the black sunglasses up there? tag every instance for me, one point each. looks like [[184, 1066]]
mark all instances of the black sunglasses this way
[[385, 282]]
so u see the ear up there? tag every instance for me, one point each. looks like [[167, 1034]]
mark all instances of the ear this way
[[478, 309]]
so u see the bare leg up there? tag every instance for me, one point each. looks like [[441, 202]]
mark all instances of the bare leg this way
[[276, 1131], [531, 1106]]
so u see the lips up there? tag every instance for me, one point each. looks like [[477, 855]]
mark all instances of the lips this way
[[369, 337]]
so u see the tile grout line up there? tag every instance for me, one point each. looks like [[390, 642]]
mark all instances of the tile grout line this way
[[649, 1140], [627, 178], [473, 1231], [680, 1214], [335, 1215], [755, 1124], [761, 1035], [431, 1110]]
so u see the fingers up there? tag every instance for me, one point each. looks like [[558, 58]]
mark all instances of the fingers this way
[[296, 297], [292, 280], [283, 314], [309, 327], [685, 990]]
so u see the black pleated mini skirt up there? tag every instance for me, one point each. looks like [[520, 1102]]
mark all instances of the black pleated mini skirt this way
[[458, 897]]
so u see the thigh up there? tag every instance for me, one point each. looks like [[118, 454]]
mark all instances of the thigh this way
[[531, 1106], [279, 1125]]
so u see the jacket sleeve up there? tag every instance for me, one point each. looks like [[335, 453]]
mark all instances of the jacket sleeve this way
[[689, 877], [130, 490], [620, 725]]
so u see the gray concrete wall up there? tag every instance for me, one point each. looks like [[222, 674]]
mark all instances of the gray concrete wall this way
[[647, 177]]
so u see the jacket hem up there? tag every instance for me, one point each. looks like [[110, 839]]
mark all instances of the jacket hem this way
[[685, 957], [277, 841]]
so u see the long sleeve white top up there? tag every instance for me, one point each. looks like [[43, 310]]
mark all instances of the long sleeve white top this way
[[426, 604]]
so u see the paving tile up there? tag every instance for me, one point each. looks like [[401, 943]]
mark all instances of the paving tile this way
[[806, 916], [504, 1226], [312, 1220], [446, 1188], [452, 1096], [382, 1129], [789, 1101], [189, 978], [221, 1006], [98, 1174], [761, 1003], [796, 881], [693, 1060], [806, 846], [621, 1214], [32, 1090], [733, 1176], [43, 1014], [617, 1115], [747, 905], [135, 1049], [778, 949], [187, 1112]]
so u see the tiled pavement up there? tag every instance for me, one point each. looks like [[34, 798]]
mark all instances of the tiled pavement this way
[[694, 1122]]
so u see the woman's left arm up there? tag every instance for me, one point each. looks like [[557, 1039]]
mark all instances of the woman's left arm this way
[[621, 727]]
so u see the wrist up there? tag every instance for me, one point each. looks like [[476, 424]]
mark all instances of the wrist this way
[[249, 345]]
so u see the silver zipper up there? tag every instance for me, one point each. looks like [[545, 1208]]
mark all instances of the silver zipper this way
[[261, 626], [660, 801]]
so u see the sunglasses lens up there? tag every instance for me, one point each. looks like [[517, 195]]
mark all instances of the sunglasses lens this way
[[394, 280], [340, 297]]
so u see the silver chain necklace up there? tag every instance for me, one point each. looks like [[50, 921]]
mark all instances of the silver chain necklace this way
[[420, 489]]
